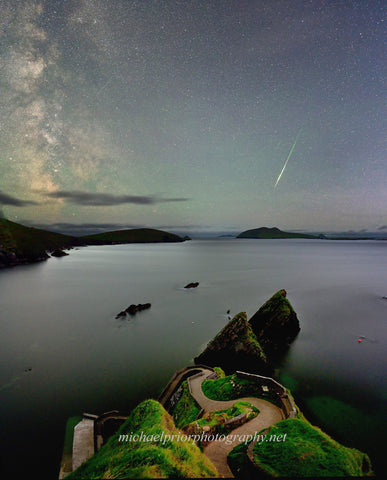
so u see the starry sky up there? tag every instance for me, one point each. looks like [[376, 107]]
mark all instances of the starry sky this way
[[180, 114]]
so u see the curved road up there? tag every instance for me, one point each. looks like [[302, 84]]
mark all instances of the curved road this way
[[217, 450]]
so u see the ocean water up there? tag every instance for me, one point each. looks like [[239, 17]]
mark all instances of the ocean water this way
[[63, 352]]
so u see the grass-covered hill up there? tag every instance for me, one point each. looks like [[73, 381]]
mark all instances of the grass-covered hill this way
[[308, 451], [265, 232], [20, 244], [137, 235], [147, 459]]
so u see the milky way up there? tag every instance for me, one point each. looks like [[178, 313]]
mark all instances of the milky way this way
[[180, 113]]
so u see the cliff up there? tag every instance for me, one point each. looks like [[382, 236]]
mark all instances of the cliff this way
[[235, 347], [264, 232], [20, 244], [125, 455]]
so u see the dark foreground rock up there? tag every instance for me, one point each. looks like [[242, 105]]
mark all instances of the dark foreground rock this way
[[192, 285], [58, 253], [275, 324], [235, 347]]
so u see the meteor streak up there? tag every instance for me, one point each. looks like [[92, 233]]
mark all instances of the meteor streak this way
[[286, 162]]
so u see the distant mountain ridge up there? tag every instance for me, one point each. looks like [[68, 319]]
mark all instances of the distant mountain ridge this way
[[22, 245], [265, 232]]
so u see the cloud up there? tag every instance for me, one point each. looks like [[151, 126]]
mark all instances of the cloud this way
[[15, 202], [383, 227], [106, 199]]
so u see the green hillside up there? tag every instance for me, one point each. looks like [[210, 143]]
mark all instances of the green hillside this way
[[308, 451], [138, 235], [265, 232], [152, 458]]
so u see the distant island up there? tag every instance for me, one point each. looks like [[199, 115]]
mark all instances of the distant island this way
[[22, 245], [265, 232]]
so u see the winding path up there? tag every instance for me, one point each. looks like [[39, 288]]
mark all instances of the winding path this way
[[218, 450]]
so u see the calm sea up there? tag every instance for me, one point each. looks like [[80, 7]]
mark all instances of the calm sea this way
[[63, 352]]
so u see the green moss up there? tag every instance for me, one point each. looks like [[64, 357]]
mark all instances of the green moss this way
[[216, 422], [219, 372], [308, 451], [186, 409], [146, 459], [232, 387], [279, 304]]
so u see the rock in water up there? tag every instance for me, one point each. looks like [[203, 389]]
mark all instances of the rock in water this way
[[133, 309], [235, 347], [192, 285], [275, 324]]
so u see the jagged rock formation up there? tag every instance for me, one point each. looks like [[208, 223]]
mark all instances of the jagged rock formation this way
[[235, 347], [253, 345], [275, 324]]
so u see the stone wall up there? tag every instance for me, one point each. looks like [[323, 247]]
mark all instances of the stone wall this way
[[287, 405]]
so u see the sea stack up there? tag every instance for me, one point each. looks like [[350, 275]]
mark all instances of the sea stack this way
[[235, 347], [275, 324], [254, 345]]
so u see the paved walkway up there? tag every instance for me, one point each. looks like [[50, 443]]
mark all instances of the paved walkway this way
[[217, 450]]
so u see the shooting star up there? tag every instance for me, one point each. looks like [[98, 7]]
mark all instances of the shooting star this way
[[286, 162]]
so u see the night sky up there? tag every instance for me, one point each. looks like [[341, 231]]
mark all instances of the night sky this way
[[180, 115]]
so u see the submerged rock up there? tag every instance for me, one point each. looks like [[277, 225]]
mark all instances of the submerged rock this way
[[275, 324], [235, 347]]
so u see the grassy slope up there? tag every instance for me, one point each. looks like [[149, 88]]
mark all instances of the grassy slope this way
[[186, 409], [216, 421], [139, 235], [265, 232], [308, 451], [146, 459], [232, 388]]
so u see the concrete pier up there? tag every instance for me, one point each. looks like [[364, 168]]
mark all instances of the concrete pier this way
[[83, 443]]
